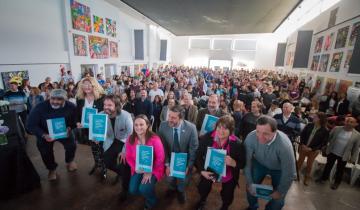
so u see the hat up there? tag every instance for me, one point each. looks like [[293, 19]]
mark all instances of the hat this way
[[58, 93]]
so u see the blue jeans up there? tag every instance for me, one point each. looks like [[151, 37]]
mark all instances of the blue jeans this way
[[147, 190], [258, 174], [178, 184]]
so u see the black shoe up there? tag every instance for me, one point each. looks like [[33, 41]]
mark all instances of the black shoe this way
[[181, 197], [200, 205], [123, 196], [335, 186]]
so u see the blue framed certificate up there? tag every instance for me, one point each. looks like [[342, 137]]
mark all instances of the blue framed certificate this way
[[178, 164], [57, 128], [208, 124], [144, 158], [262, 191], [98, 127], [86, 112], [215, 161]]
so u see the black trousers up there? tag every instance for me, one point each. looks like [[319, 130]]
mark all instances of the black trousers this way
[[227, 191], [47, 153], [340, 167]]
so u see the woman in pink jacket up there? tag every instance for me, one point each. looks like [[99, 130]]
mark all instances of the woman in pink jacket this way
[[144, 183]]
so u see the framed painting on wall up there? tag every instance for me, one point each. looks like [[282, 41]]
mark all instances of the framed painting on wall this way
[[341, 37], [315, 62], [318, 45], [344, 85], [355, 30], [110, 27], [318, 83], [79, 45], [330, 85], [98, 47], [336, 62], [324, 60], [13, 76], [328, 41], [80, 16], [113, 49], [98, 24], [348, 58]]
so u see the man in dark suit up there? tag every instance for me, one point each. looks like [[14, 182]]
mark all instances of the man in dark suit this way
[[212, 109], [143, 105], [179, 136]]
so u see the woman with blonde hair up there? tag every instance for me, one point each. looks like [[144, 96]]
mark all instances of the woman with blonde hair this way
[[90, 95]]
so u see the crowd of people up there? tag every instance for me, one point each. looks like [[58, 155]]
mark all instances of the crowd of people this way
[[262, 115]]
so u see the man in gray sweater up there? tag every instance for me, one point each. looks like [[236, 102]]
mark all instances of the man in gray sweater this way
[[269, 152]]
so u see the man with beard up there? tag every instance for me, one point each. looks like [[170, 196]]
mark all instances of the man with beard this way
[[179, 136], [212, 109], [143, 105], [248, 122], [120, 127], [56, 107]]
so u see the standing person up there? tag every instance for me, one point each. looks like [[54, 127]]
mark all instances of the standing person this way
[[17, 99], [157, 107], [155, 91], [269, 152], [342, 105], [221, 138], [56, 107], [314, 136], [140, 182], [343, 147], [34, 98], [212, 109], [120, 127], [179, 136], [248, 122], [238, 113], [143, 105], [191, 111]]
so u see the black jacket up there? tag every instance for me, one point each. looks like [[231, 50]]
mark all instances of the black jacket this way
[[319, 140], [98, 104], [237, 152], [343, 107]]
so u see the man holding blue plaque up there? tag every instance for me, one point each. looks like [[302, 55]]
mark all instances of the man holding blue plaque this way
[[59, 109], [179, 136], [269, 152]]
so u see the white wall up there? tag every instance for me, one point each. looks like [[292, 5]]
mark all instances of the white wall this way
[[36, 36], [264, 57], [347, 10]]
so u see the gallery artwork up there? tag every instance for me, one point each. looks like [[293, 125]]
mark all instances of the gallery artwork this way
[[330, 85], [355, 31], [98, 24], [98, 47], [113, 49], [80, 16], [348, 59], [315, 62], [110, 27], [13, 76], [341, 37], [318, 45], [332, 18], [319, 82], [344, 86], [79, 45], [328, 41], [336, 62], [324, 60]]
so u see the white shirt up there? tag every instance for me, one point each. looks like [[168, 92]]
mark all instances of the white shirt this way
[[154, 93], [88, 104], [272, 140]]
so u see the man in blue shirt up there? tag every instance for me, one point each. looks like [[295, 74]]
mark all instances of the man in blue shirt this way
[[269, 152]]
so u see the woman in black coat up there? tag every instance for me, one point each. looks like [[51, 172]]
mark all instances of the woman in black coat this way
[[342, 105], [314, 136], [221, 138]]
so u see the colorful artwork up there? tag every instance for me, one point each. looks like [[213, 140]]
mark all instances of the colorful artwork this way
[[324, 62], [80, 16], [318, 45], [113, 49], [110, 27], [79, 45], [319, 82], [11, 76], [330, 84], [341, 37], [348, 58], [98, 47], [336, 62], [315, 62], [98, 24], [355, 30], [344, 85], [328, 41]]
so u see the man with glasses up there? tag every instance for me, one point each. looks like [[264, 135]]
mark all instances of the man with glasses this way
[[56, 107]]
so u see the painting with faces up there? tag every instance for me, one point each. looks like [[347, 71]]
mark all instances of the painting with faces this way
[[110, 27], [319, 44], [98, 24], [80, 46], [13, 76], [113, 49], [341, 37], [328, 41], [336, 62], [98, 47]]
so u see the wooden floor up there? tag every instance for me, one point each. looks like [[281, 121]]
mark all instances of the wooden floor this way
[[79, 191]]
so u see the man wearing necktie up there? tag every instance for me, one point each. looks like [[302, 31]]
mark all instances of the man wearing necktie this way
[[178, 136]]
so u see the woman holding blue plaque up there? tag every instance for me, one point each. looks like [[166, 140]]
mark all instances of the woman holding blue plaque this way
[[222, 138], [141, 182], [90, 95]]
